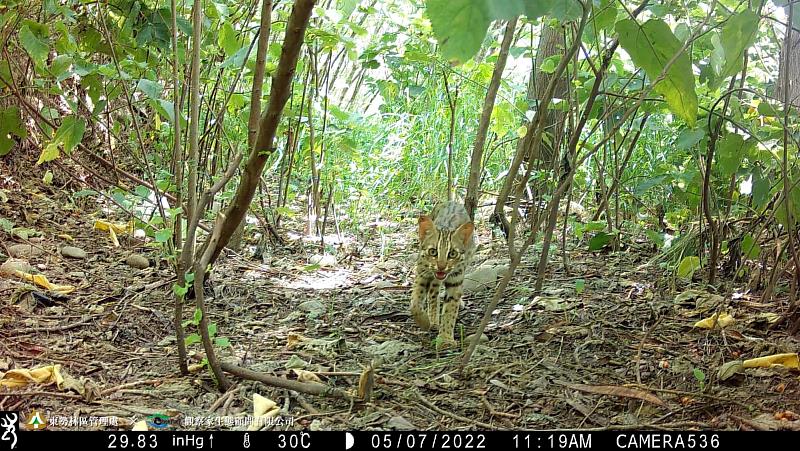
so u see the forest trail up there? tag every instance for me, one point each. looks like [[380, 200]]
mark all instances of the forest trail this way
[[609, 345]]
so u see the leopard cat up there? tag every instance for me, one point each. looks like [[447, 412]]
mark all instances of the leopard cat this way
[[446, 247]]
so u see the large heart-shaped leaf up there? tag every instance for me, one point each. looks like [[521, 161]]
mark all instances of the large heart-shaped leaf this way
[[651, 46]]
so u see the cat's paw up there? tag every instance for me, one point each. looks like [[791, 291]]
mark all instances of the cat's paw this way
[[443, 342], [421, 318]]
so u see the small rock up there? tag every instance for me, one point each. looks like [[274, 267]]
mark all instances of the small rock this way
[[324, 261], [73, 252], [482, 278], [166, 341], [137, 261], [484, 339], [314, 307], [318, 425], [12, 264], [24, 251], [400, 424]]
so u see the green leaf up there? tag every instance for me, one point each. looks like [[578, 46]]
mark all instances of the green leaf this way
[[6, 225], [179, 290], [33, 37], [549, 64], [347, 7], [651, 46], [227, 39], [142, 191], [688, 266], [563, 10], [212, 329], [163, 235], [655, 237], [150, 88], [49, 153], [603, 15], [737, 36], [766, 109], [699, 375], [459, 27], [192, 339], [580, 285], [48, 177], [70, 133], [222, 342], [783, 217], [645, 186], [198, 315], [750, 249], [10, 123], [313, 267], [235, 60], [689, 137], [730, 153], [594, 226], [60, 67], [506, 9], [599, 241]]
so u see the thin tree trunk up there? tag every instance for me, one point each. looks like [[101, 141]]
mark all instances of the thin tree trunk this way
[[551, 43], [268, 124], [475, 166], [255, 96], [178, 169]]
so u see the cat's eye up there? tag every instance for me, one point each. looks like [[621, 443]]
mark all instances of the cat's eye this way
[[453, 253], [432, 252]]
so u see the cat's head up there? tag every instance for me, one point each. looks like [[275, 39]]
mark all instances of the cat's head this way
[[441, 249]]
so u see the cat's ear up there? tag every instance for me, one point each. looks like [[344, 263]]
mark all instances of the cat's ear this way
[[425, 226], [464, 232]]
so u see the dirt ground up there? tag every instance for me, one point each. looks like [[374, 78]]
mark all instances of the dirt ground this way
[[606, 346]]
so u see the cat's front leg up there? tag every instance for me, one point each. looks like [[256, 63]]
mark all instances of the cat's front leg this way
[[418, 300], [433, 303], [447, 323]]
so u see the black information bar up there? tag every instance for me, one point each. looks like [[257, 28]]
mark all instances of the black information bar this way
[[360, 440]]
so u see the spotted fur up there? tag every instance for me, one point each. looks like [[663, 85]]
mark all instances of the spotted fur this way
[[446, 247]]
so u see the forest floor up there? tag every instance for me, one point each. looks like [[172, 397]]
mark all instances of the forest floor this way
[[610, 344]]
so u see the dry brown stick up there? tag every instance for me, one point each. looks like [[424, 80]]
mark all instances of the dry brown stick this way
[[44, 393], [496, 413], [431, 406], [222, 399], [304, 404], [311, 388], [110, 390], [56, 328]]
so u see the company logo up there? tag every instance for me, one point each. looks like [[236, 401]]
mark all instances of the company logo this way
[[158, 421], [9, 424], [36, 421]]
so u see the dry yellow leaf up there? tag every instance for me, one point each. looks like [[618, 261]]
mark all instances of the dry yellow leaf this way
[[140, 426], [294, 339], [789, 360], [46, 375], [99, 224], [114, 229], [722, 320], [42, 281], [263, 408], [306, 376]]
